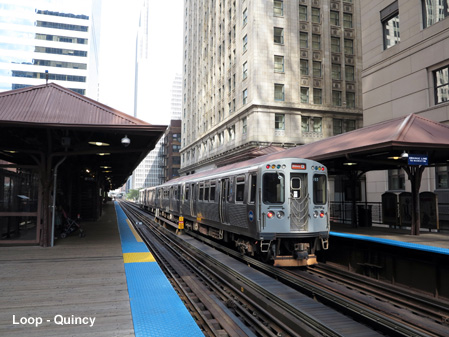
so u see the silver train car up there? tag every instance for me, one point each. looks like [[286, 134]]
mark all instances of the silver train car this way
[[270, 207]]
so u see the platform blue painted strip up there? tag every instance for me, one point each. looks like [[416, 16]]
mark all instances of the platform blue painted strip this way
[[156, 308], [397, 243], [129, 242]]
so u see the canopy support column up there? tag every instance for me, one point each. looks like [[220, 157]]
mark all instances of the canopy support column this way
[[414, 174]]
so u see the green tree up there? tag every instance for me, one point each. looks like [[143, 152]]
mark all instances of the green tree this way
[[132, 194]]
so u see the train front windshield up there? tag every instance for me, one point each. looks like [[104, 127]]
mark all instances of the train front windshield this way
[[273, 188], [319, 189]]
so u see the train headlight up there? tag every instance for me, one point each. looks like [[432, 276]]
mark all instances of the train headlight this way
[[270, 214], [280, 214], [315, 214]]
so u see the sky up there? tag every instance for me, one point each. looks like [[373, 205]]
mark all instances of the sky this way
[[119, 25]]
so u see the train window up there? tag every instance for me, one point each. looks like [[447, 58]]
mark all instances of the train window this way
[[273, 188], [212, 191], [253, 188], [319, 189], [206, 193], [240, 189], [201, 191], [295, 183], [186, 195]]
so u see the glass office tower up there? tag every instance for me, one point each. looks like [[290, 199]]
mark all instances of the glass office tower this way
[[50, 40]]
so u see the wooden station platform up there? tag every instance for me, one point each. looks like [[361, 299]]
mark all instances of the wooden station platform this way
[[76, 288]]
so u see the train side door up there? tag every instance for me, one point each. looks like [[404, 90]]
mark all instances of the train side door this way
[[193, 197], [223, 198], [251, 202]]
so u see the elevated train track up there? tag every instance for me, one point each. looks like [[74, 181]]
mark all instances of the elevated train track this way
[[251, 301]]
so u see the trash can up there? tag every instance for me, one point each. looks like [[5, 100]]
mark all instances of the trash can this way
[[364, 215]]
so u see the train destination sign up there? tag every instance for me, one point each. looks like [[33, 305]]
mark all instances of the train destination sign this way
[[417, 159]]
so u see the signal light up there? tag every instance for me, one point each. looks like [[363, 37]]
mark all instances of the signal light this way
[[270, 214], [322, 214]]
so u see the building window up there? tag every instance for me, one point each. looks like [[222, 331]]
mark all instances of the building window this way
[[434, 11], [349, 73], [304, 40], [245, 43], [316, 15], [317, 96], [442, 173], [244, 127], [441, 77], [336, 97], [302, 13], [335, 18], [278, 35], [316, 41], [304, 95], [335, 44], [231, 132], [349, 47], [396, 180], [304, 67], [279, 122], [279, 92], [317, 123], [338, 126], [305, 124], [316, 69], [245, 96], [390, 25], [278, 8], [279, 64], [245, 70], [347, 20], [343, 125], [311, 123], [245, 16], [350, 100], [336, 71]]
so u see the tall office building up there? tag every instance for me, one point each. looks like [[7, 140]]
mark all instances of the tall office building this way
[[142, 74], [406, 70], [260, 73], [162, 163], [176, 98], [42, 39]]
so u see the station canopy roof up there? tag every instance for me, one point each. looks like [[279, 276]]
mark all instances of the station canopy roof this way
[[375, 147], [380, 146], [50, 121]]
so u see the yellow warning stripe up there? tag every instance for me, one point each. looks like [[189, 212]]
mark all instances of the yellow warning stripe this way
[[131, 227], [138, 257]]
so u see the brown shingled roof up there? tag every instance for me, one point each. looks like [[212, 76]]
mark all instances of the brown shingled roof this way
[[40, 119], [53, 104]]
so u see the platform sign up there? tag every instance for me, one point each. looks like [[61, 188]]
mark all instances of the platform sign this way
[[418, 159]]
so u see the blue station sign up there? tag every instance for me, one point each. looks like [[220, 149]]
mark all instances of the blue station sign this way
[[417, 159]]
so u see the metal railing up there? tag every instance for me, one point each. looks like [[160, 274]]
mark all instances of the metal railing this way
[[341, 212]]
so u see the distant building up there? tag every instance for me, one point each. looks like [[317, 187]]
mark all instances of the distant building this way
[[406, 70], [267, 73], [142, 78], [171, 159], [54, 40], [176, 98]]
